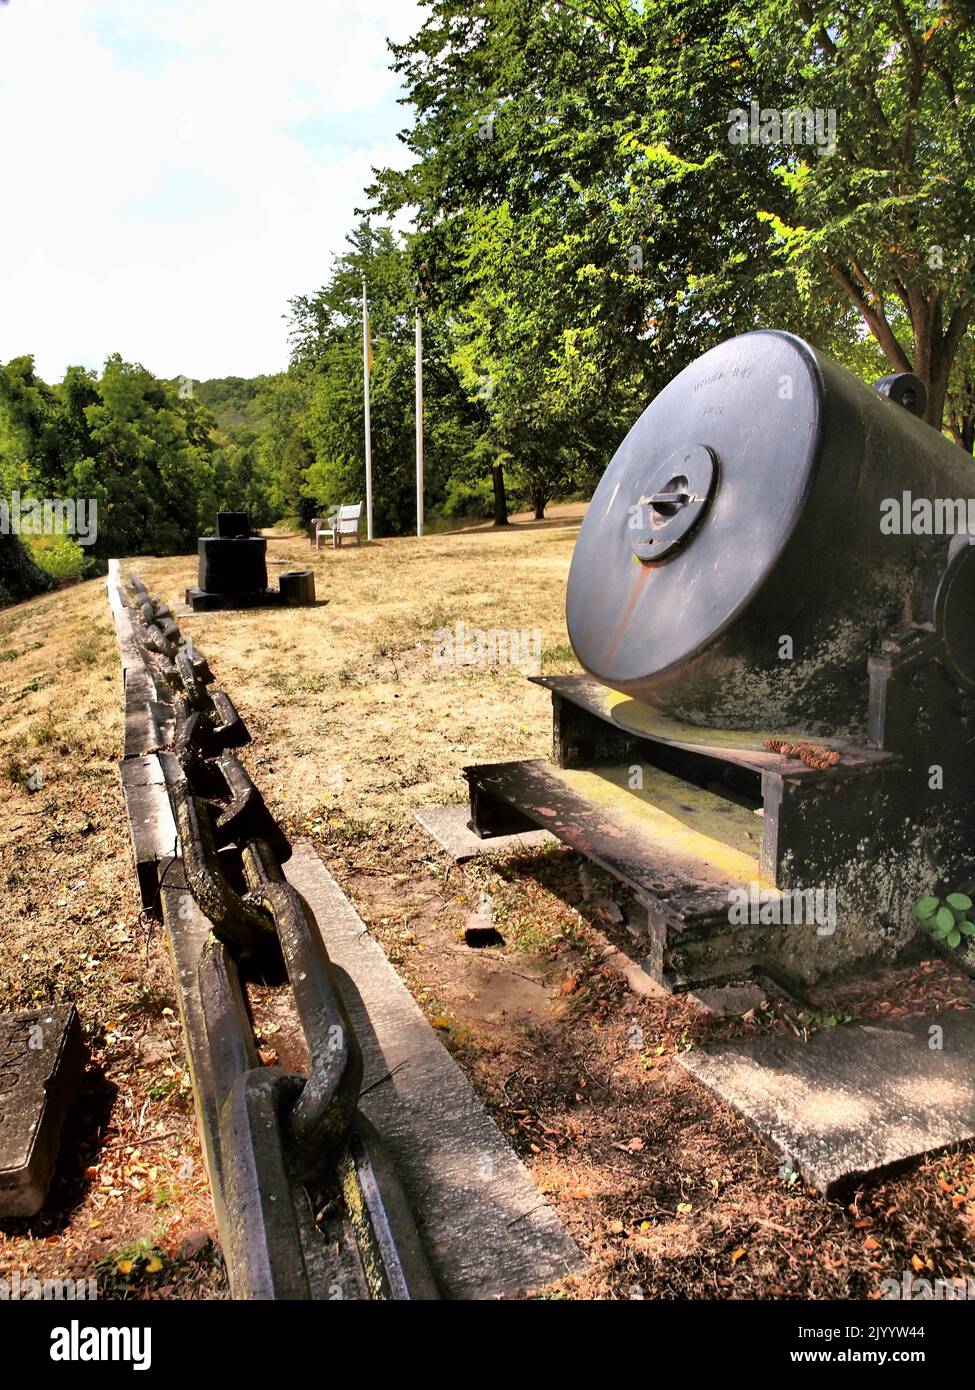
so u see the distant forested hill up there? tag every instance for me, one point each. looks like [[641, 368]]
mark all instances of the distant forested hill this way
[[232, 400], [151, 460]]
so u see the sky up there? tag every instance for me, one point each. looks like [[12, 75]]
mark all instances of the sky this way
[[174, 172]]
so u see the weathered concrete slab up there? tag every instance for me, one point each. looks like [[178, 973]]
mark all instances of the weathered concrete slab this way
[[42, 1057], [851, 1101], [145, 717], [129, 653], [488, 1231], [448, 826], [152, 828]]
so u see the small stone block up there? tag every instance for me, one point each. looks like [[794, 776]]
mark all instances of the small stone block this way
[[853, 1100], [448, 826], [478, 933], [42, 1058], [730, 1001], [297, 588]]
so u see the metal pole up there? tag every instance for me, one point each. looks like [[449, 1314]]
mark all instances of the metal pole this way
[[365, 379], [419, 425]]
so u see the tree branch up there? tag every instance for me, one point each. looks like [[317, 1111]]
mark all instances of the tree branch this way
[[957, 327], [876, 322]]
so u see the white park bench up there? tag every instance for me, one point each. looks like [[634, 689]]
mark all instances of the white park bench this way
[[344, 521]]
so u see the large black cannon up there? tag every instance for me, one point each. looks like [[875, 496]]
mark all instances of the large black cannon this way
[[773, 592], [738, 564]]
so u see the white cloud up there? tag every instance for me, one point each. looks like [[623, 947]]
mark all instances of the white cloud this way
[[176, 171]]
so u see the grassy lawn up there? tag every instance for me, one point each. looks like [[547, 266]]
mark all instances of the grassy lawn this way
[[355, 723]]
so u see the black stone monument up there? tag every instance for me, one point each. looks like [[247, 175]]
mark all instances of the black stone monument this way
[[233, 571]]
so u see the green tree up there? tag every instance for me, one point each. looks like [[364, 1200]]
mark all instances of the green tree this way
[[592, 224], [888, 215], [559, 227], [284, 449], [327, 365], [149, 461], [150, 456], [37, 434]]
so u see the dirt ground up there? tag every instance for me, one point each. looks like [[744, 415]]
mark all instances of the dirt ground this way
[[357, 719]]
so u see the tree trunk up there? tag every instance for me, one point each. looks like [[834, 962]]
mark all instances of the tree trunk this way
[[540, 493], [962, 431], [932, 356], [500, 497], [935, 346], [937, 384]]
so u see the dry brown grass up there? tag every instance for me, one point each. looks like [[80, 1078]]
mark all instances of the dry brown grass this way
[[353, 685], [666, 1191], [349, 685], [71, 929]]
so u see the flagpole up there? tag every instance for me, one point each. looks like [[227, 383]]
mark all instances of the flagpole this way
[[419, 425], [365, 381]]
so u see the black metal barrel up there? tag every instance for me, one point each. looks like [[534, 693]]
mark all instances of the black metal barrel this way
[[745, 551]]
